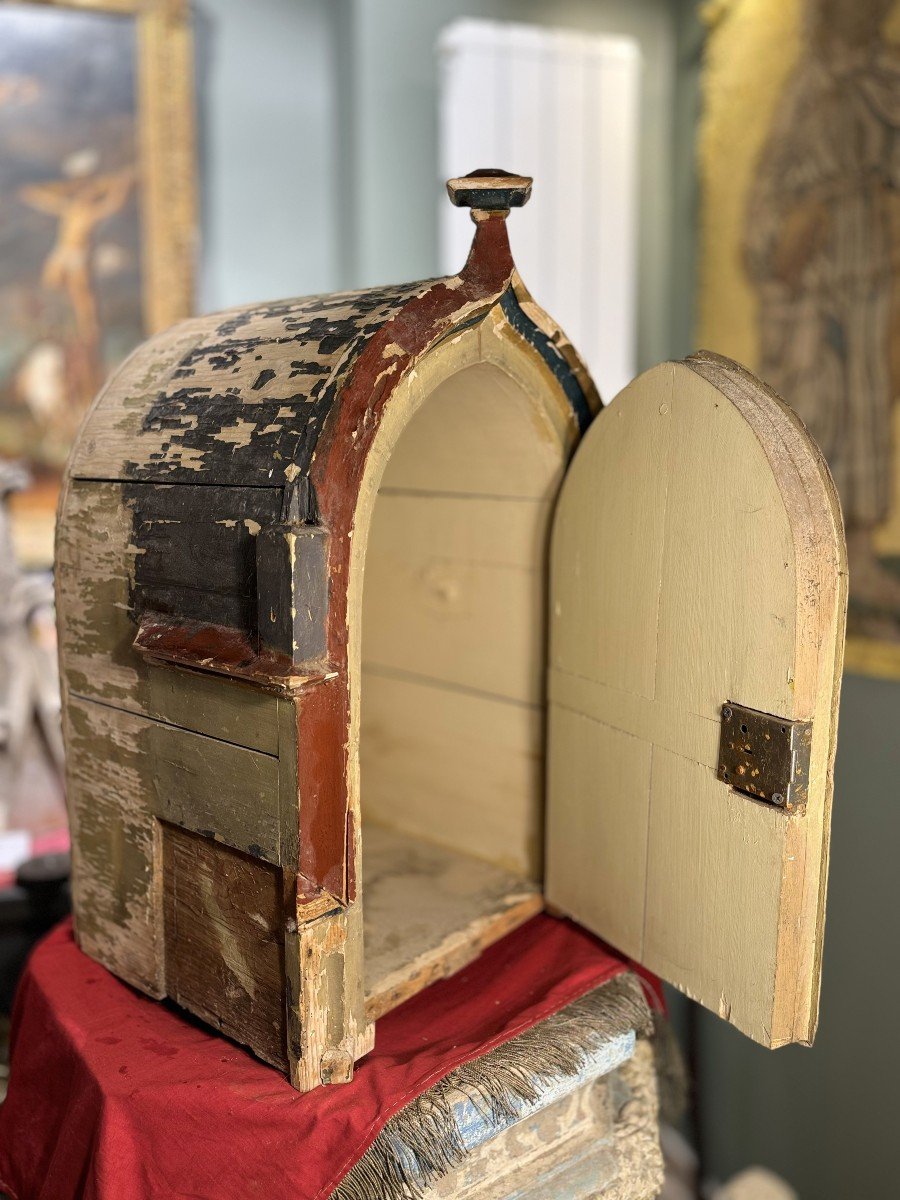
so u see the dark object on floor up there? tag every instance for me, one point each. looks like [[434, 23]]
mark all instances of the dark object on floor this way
[[38, 899]]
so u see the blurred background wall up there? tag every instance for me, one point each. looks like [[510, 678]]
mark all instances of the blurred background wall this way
[[269, 148], [319, 171], [822, 1117], [319, 141]]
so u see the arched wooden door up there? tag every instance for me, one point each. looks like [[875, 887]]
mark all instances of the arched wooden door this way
[[697, 565]]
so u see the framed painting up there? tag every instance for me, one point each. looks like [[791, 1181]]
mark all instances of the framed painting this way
[[97, 216], [799, 159]]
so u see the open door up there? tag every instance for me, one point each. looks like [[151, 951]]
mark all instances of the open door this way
[[698, 570]]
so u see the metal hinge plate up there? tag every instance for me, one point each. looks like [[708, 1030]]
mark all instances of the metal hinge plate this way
[[767, 757]]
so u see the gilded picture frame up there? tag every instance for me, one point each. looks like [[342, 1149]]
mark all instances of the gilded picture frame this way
[[162, 201]]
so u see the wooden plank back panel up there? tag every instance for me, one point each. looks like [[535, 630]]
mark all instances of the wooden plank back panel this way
[[125, 772], [697, 558], [456, 768], [454, 614], [466, 591], [116, 880]]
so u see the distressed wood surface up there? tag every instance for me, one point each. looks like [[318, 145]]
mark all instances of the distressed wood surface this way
[[125, 772], [116, 866], [95, 576], [238, 398], [428, 912], [600, 1141], [225, 472], [215, 789], [195, 549], [697, 558], [224, 939], [292, 593], [332, 1020]]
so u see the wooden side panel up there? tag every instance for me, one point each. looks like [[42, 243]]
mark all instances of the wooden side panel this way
[[224, 934], [697, 558], [194, 549], [96, 557], [216, 789], [124, 773], [117, 880]]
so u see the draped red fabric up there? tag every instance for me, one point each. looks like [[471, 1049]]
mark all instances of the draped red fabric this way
[[113, 1096]]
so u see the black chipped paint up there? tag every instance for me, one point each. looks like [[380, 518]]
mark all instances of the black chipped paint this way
[[550, 353], [195, 550], [263, 378], [308, 368], [271, 432]]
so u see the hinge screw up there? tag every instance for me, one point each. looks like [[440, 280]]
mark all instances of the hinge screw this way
[[777, 798], [726, 712]]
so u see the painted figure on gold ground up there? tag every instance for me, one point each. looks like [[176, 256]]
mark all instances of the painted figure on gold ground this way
[[820, 246]]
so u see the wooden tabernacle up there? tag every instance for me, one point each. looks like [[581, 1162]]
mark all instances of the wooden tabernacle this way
[[333, 558]]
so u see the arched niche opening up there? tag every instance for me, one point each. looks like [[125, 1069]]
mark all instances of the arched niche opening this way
[[451, 668]]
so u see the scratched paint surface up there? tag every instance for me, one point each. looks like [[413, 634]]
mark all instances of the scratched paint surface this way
[[267, 411], [241, 401]]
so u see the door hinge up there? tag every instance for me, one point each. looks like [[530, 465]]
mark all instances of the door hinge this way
[[767, 757]]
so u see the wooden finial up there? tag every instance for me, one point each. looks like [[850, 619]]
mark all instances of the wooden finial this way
[[489, 192]]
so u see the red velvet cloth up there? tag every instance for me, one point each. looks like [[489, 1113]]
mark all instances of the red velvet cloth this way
[[113, 1096]]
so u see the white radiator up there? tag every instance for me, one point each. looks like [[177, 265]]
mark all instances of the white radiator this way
[[563, 107]]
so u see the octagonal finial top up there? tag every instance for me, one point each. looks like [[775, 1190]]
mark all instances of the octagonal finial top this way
[[489, 191]]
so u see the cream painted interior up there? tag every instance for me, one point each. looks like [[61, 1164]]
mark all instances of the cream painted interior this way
[[453, 663], [454, 623]]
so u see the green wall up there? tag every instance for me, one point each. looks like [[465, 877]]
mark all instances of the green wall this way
[[269, 150]]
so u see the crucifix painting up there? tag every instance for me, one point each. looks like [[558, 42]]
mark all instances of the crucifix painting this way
[[801, 254], [96, 218]]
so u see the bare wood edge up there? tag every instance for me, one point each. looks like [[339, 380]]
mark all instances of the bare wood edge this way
[[809, 491], [456, 951]]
